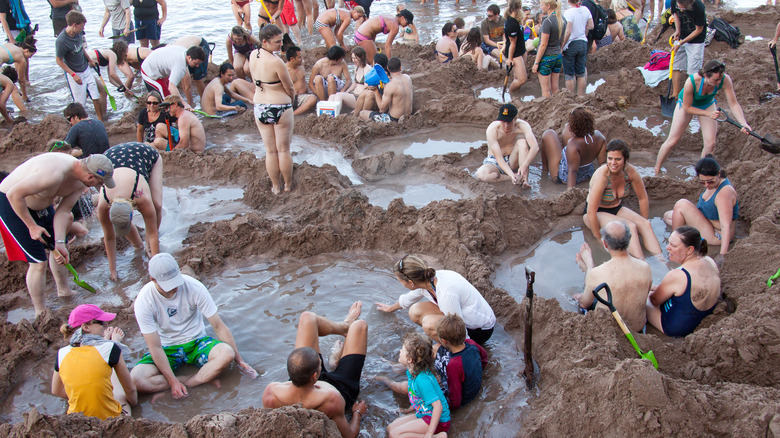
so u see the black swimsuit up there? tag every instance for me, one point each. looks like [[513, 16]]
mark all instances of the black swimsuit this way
[[260, 83]]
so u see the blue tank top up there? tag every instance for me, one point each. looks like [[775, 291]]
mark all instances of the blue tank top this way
[[702, 101], [679, 317], [708, 207]]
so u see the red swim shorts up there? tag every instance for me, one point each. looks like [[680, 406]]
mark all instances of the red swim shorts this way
[[288, 13]]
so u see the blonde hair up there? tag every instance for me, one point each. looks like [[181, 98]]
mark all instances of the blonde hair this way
[[514, 5], [414, 268], [555, 5], [67, 331]]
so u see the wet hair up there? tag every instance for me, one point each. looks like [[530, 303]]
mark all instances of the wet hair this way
[[619, 146], [413, 268], [225, 67], [514, 6], [28, 44], [712, 67], [459, 22], [394, 64], [75, 17], [302, 363], [473, 39], [287, 42], [619, 242], [292, 52], [690, 236], [361, 54], [239, 31], [581, 122], [707, 166], [447, 28], [611, 16], [419, 351], [452, 329], [336, 53], [269, 31], [174, 99], [156, 94], [555, 5], [11, 74], [75, 109], [494, 9], [197, 53], [120, 48], [381, 59], [685, 2]]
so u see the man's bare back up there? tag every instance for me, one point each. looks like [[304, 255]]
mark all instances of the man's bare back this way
[[400, 92], [214, 90], [52, 175], [323, 397], [197, 135]]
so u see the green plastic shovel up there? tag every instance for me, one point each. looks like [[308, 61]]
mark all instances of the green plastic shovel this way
[[111, 98], [76, 280], [204, 113], [608, 302]]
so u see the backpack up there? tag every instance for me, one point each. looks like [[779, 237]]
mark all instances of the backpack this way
[[726, 32], [599, 15], [659, 60]]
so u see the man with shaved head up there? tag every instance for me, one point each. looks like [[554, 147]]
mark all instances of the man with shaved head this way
[[628, 278], [314, 386]]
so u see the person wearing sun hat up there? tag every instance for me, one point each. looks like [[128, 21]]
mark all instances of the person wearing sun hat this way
[[138, 171], [90, 372], [513, 141], [169, 311], [29, 222]]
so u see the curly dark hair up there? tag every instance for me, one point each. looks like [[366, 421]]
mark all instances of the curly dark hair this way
[[120, 48], [419, 350], [581, 122]]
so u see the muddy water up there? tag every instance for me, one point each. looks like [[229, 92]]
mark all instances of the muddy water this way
[[261, 303], [563, 278]]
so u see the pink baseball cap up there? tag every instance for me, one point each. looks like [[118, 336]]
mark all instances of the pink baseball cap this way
[[86, 313]]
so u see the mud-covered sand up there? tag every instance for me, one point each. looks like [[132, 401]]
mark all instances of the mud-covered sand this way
[[722, 380]]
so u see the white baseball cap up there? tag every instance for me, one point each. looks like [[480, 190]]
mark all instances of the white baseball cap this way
[[165, 271]]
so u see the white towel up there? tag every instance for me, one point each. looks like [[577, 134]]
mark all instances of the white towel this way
[[653, 77]]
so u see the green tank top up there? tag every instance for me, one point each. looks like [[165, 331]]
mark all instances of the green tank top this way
[[702, 101]]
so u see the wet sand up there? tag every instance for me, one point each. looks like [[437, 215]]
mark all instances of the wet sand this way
[[332, 240]]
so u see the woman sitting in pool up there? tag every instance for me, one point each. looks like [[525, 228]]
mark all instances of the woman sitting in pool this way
[[612, 183], [472, 49], [436, 293], [686, 295], [716, 211], [446, 49]]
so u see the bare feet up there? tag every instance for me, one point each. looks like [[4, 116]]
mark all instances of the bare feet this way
[[64, 294], [354, 313], [335, 353], [275, 190], [114, 333], [584, 258]]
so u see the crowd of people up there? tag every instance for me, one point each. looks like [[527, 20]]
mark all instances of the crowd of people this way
[[43, 199]]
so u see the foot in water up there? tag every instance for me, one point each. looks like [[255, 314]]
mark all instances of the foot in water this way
[[584, 258]]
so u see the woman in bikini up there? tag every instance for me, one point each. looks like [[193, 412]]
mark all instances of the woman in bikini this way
[[687, 295], [242, 10], [240, 44], [282, 14], [273, 107], [697, 98], [138, 173], [8, 80], [338, 19], [108, 58], [715, 212], [348, 98], [127, 57], [365, 35], [612, 183], [18, 54], [446, 49]]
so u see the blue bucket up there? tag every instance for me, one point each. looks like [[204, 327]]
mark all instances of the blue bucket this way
[[375, 75]]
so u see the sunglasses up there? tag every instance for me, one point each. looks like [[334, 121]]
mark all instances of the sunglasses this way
[[95, 321], [152, 103], [707, 182]]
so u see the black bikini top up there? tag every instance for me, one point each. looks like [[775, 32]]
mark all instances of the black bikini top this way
[[132, 194], [260, 83]]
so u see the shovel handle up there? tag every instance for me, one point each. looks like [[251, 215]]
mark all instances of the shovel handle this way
[[608, 301], [530, 277], [773, 49]]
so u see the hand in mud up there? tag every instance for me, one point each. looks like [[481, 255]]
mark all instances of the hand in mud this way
[[240, 109], [178, 390]]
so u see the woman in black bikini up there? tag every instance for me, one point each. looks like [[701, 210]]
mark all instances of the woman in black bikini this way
[[273, 107], [240, 44]]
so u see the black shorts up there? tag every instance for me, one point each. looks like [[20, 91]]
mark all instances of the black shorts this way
[[612, 210], [346, 377], [480, 336], [16, 236]]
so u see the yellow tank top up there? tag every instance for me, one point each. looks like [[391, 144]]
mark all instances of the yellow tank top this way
[[86, 374]]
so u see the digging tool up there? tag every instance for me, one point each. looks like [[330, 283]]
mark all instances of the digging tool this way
[[772, 279], [647, 27], [531, 27], [769, 143], [121, 35], [270, 18], [608, 302], [530, 276], [506, 81], [773, 49], [111, 98], [205, 114], [72, 271], [668, 102]]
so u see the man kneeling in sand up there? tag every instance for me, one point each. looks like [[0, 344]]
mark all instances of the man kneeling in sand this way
[[396, 101], [225, 95], [629, 279], [186, 131], [514, 143], [311, 384]]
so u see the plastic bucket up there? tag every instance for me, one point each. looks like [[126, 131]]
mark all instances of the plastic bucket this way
[[375, 75]]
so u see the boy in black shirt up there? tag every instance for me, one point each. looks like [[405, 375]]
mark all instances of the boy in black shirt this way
[[690, 23]]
